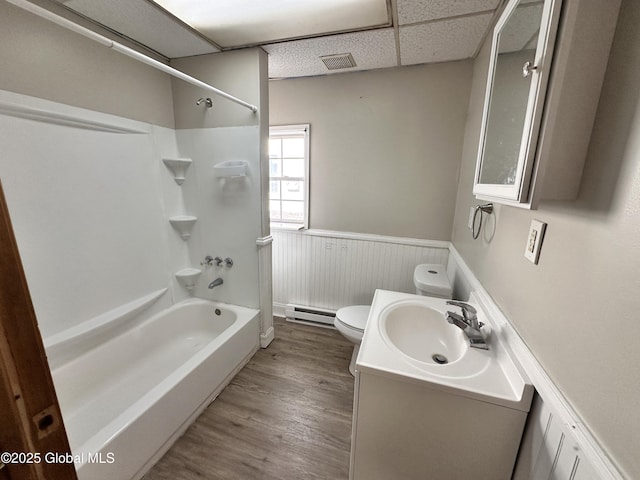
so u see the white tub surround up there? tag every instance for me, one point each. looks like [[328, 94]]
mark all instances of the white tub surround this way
[[228, 213], [82, 189], [90, 199], [133, 395], [267, 333]]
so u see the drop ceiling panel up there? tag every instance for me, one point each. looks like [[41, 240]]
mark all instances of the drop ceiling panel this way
[[145, 23], [444, 40], [428, 31], [414, 11], [234, 23], [370, 49]]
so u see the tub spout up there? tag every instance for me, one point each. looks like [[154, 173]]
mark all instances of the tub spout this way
[[218, 281]]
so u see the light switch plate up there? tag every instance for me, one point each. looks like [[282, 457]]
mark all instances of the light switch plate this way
[[534, 241]]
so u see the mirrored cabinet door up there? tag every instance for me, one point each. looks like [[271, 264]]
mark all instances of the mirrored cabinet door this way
[[520, 63]]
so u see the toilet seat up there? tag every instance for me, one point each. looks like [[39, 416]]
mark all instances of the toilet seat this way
[[353, 317], [350, 322]]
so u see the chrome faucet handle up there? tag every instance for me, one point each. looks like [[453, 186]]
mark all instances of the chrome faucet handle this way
[[229, 262], [457, 320], [469, 313], [208, 261], [466, 308], [218, 261]]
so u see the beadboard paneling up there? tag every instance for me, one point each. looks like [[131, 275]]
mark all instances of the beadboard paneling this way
[[550, 450], [331, 270], [556, 444]]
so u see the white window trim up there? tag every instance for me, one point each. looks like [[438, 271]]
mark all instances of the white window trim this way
[[282, 130]]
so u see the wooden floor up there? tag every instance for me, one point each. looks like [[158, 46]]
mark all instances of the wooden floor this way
[[286, 415]]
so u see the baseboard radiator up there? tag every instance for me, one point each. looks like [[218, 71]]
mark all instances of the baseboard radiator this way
[[310, 315]]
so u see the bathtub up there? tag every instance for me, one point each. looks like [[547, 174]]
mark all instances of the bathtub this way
[[127, 400]]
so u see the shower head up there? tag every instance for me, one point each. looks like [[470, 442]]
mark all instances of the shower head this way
[[208, 102]]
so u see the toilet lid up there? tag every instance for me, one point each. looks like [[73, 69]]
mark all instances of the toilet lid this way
[[354, 316], [432, 279]]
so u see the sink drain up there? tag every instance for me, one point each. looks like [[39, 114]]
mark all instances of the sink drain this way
[[440, 359]]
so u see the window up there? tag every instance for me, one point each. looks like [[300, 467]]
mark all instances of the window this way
[[289, 176]]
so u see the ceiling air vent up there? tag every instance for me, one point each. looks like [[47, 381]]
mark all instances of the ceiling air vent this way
[[339, 61]]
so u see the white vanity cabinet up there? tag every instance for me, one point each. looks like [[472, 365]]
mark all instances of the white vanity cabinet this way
[[413, 431], [427, 405], [546, 70]]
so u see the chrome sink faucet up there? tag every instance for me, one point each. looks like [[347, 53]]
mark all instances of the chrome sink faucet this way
[[468, 323]]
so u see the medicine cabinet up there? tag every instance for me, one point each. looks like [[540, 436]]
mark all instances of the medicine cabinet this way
[[546, 69]]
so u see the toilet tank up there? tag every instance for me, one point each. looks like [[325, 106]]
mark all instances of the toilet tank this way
[[432, 280]]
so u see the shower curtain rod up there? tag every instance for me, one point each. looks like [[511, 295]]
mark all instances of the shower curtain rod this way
[[63, 22]]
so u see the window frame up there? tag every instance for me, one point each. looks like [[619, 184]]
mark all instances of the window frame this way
[[284, 131]]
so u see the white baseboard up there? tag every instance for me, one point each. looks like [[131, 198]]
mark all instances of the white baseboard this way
[[267, 337]]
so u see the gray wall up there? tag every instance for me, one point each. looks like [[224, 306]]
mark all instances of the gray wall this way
[[44, 60], [385, 146], [235, 72], [578, 308]]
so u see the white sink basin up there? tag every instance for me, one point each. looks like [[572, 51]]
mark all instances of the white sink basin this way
[[422, 333], [408, 336]]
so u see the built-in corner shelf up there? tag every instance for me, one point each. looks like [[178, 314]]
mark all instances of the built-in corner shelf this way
[[183, 224], [187, 277], [231, 169], [178, 167]]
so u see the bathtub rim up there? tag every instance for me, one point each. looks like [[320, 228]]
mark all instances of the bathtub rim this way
[[99, 439]]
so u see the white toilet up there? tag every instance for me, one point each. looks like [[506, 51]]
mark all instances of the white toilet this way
[[430, 280]]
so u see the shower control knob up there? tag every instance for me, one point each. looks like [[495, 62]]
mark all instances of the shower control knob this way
[[208, 261], [229, 262], [218, 261]]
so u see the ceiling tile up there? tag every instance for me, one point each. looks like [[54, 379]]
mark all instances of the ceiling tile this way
[[370, 49], [444, 40], [414, 11], [142, 21]]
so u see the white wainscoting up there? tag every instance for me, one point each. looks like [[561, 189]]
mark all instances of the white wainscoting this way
[[329, 270], [550, 450], [556, 445], [332, 269]]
